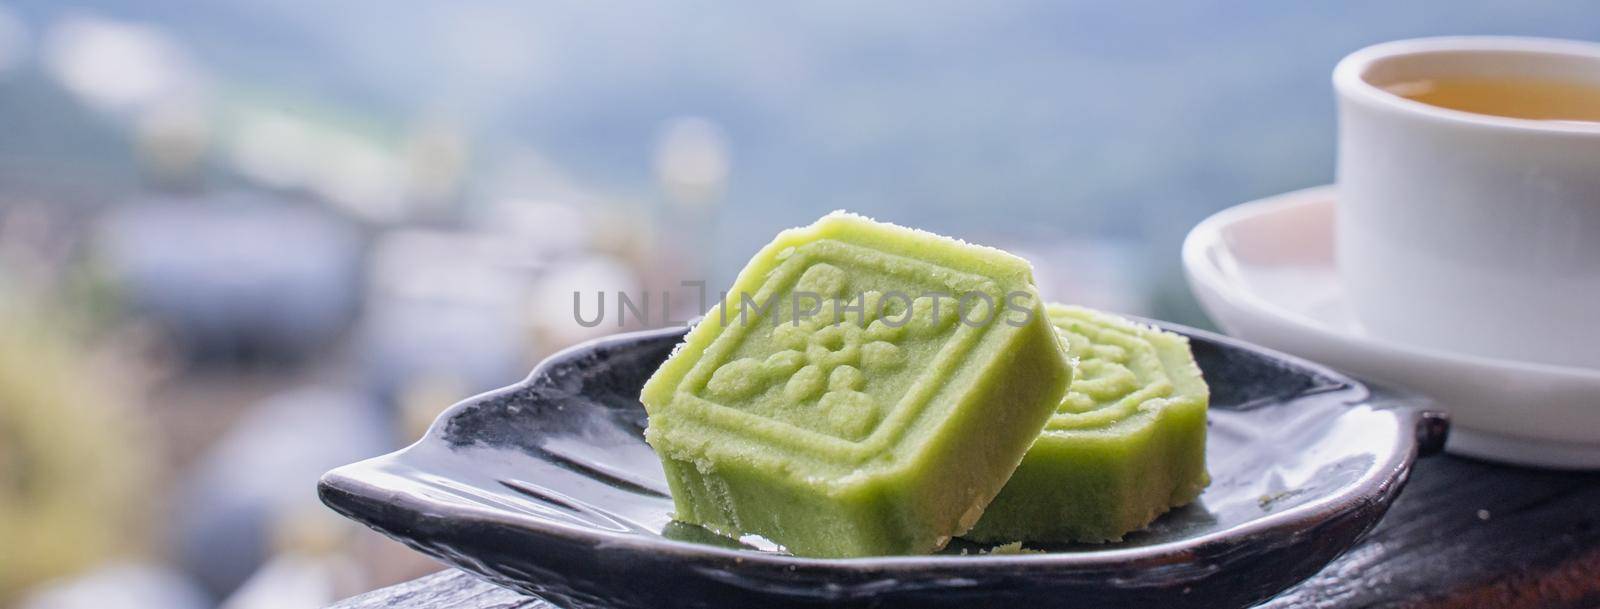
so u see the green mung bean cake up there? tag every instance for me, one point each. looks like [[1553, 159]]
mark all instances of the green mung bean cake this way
[[863, 389], [1126, 445]]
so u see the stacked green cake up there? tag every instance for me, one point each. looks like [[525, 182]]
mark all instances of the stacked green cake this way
[[868, 389], [1127, 443]]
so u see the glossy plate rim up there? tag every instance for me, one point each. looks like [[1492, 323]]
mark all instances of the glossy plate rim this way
[[1425, 435]]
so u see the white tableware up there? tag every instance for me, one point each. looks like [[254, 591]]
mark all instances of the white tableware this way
[[1466, 232], [1264, 271]]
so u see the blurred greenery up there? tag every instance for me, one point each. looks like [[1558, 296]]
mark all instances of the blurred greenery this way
[[75, 468]]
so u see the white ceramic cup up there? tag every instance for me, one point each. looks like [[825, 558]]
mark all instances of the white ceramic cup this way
[[1467, 232]]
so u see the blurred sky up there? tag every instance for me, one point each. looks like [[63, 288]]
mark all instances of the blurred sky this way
[[1126, 121]]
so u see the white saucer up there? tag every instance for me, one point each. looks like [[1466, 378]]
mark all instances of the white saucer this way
[[1264, 272]]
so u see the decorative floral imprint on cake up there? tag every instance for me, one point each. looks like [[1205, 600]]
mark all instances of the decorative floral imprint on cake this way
[[1118, 372], [822, 372]]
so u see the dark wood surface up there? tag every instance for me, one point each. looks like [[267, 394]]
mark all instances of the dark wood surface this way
[[1464, 534]]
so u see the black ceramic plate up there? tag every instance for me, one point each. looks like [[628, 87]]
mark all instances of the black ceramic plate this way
[[547, 487]]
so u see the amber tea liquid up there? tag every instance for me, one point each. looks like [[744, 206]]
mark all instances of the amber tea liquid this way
[[1551, 100]]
